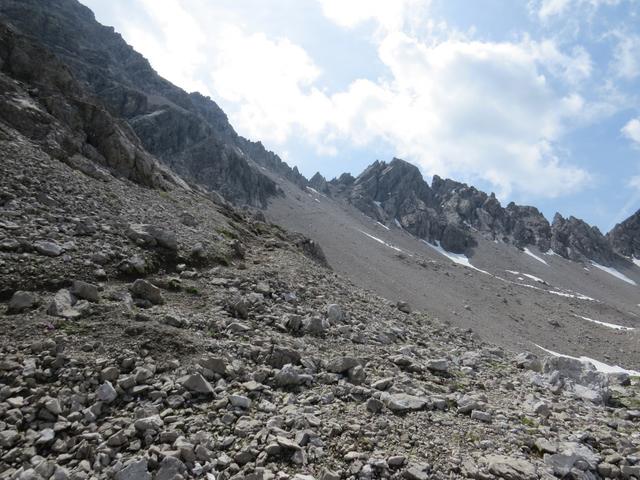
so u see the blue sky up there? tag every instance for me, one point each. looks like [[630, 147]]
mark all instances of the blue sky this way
[[536, 100]]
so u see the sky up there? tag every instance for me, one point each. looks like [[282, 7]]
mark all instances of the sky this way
[[535, 100]]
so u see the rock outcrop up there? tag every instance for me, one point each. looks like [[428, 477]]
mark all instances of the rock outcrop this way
[[624, 238], [42, 100], [576, 240]]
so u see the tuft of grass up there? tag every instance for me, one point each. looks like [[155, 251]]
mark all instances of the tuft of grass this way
[[192, 290], [228, 234], [529, 422]]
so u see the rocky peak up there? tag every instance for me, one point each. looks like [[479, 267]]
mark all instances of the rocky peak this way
[[449, 212], [575, 239], [624, 238], [319, 183]]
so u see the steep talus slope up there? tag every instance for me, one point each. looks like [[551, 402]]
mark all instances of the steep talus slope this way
[[189, 132], [159, 335], [520, 299]]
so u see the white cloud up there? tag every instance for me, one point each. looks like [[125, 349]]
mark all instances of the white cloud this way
[[271, 81], [467, 109], [547, 9], [176, 47], [626, 56], [389, 15], [634, 182], [632, 130]]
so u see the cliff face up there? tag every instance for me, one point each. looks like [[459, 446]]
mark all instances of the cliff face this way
[[42, 101], [189, 132]]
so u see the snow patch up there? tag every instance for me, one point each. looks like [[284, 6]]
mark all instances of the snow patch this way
[[380, 241], [529, 276], [383, 225], [398, 224], [313, 190], [24, 103], [614, 272], [378, 204], [551, 253], [605, 324], [531, 254], [458, 258], [579, 296], [636, 261], [600, 366]]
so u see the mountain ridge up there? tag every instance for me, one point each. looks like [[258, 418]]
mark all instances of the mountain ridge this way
[[192, 135], [448, 211]]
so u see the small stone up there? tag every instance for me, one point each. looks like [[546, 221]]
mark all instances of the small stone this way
[[417, 472], [481, 416], [53, 406], [240, 401], [109, 373], [170, 469], [334, 314], [49, 249], [196, 383], [106, 393], [215, 364], [136, 470], [342, 364], [440, 365], [147, 291], [404, 307], [8, 438], [374, 405], [86, 291], [511, 468], [21, 301], [153, 422], [47, 436], [403, 402]]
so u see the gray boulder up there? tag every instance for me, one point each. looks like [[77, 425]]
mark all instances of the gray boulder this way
[[21, 301], [49, 249], [135, 470], [86, 291], [196, 383], [578, 378], [403, 402], [61, 305], [147, 291]]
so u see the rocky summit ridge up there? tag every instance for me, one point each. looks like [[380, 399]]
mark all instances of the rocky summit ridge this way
[[151, 329], [451, 212], [192, 135]]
